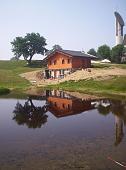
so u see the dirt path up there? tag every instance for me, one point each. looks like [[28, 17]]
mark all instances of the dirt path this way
[[96, 74]]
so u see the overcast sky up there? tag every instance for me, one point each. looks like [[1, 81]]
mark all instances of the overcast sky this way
[[73, 24]]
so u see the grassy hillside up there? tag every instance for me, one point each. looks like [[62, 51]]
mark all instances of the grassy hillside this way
[[9, 74]]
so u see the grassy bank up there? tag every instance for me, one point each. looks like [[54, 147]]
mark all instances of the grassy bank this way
[[4, 91], [116, 85], [9, 74]]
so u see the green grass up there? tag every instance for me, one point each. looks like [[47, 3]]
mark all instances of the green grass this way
[[116, 85], [9, 74]]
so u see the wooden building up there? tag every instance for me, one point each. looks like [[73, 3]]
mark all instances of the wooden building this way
[[62, 62]]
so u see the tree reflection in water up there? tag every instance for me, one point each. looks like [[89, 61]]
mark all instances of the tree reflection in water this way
[[30, 115]]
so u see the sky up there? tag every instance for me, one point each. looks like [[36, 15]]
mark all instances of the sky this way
[[73, 24]]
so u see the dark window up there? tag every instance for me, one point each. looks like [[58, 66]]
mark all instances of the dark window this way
[[50, 62], [54, 62], [68, 107], [63, 61], [68, 61], [121, 30], [63, 105], [116, 28], [55, 104]]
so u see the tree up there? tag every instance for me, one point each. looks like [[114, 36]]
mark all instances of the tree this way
[[124, 50], [54, 47], [104, 52], [28, 46], [57, 47], [92, 52], [14, 59], [117, 53]]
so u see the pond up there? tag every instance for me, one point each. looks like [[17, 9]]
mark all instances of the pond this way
[[58, 131]]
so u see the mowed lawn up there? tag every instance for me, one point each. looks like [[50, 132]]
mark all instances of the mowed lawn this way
[[9, 74]]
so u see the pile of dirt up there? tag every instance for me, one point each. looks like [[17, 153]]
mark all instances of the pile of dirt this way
[[96, 74]]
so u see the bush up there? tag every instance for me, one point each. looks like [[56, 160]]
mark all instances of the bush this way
[[4, 91]]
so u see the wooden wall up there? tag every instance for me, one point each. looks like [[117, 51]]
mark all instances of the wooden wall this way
[[58, 58], [75, 62]]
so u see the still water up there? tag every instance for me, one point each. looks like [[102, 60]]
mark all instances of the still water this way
[[58, 131]]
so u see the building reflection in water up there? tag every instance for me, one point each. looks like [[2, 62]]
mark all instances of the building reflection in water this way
[[61, 104], [118, 108]]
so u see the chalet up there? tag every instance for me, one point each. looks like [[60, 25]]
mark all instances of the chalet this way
[[61, 62]]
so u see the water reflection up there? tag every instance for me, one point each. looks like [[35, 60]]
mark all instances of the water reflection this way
[[118, 108], [119, 130], [104, 107], [61, 104], [29, 114]]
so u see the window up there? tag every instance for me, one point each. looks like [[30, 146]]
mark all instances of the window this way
[[50, 62], [68, 61], [68, 107], [55, 104], [54, 62], [63, 105], [63, 61]]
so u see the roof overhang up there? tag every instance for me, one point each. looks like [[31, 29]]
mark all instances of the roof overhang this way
[[69, 55], [58, 51]]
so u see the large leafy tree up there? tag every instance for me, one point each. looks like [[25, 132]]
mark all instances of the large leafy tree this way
[[104, 52], [117, 53], [92, 52], [29, 45]]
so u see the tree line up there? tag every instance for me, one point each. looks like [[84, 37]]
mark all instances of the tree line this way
[[33, 43], [115, 55]]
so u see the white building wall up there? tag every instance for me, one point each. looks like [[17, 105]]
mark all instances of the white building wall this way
[[52, 73], [119, 37], [119, 40]]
